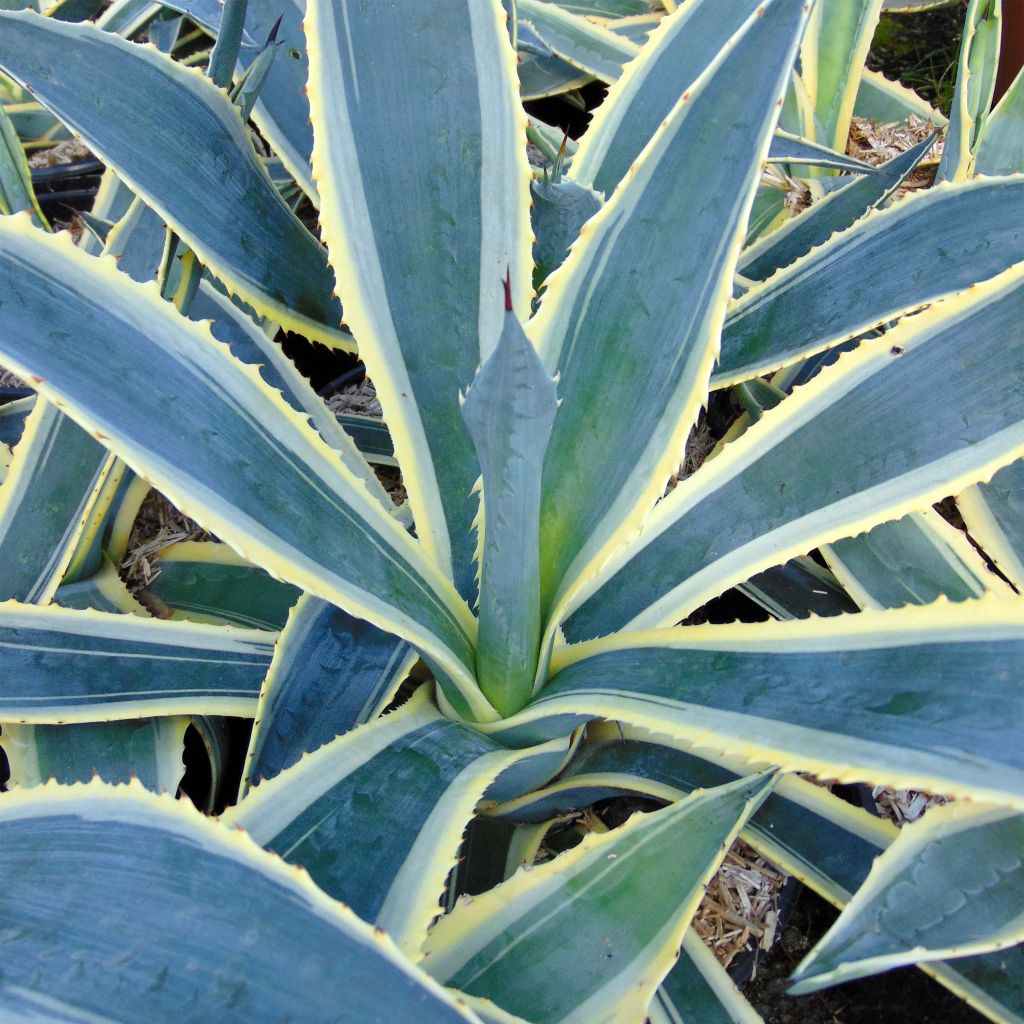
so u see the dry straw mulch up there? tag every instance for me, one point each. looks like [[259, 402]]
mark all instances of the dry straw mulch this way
[[68, 152], [158, 525], [740, 909], [903, 806]]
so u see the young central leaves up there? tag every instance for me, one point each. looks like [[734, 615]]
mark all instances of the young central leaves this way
[[631, 320], [509, 411]]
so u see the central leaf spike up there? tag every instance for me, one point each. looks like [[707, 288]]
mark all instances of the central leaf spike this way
[[509, 411]]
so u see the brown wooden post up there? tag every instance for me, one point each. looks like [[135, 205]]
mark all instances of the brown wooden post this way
[[1011, 53]]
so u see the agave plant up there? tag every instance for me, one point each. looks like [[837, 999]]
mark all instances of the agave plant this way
[[382, 867]]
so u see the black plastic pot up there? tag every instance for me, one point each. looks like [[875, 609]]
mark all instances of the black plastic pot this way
[[68, 187]]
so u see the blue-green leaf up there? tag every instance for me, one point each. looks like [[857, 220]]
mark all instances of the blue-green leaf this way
[[60, 665], [952, 884], [330, 673], [631, 295], [132, 359], [509, 411], [231, 214], [166, 915], [420, 256], [836, 212], [589, 936]]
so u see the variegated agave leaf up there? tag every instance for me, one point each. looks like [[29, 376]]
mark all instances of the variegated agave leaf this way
[[541, 587]]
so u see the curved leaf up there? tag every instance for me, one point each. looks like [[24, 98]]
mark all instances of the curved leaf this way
[[994, 514], [376, 816], [881, 99], [785, 486], [631, 294], [911, 561], [197, 922], [999, 148], [792, 149], [420, 245], [584, 44], [205, 582], [975, 85], [885, 266], [676, 55], [950, 885], [797, 590], [57, 471], [815, 695], [149, 749], [589, 936], [809, 833], [330, 673], [61, 665], [231, 214], [836, 212], [251, 460], [831, 60], [699, 989]]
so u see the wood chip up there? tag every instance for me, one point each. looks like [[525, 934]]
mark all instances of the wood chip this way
[[357, 400], [741, 905], [903, 806], [158, 525], [69, 151]]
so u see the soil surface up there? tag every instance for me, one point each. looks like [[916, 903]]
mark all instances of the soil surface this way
[[921, 50], [904, 996]]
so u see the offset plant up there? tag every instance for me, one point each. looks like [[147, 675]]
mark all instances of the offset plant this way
[[545, 607]]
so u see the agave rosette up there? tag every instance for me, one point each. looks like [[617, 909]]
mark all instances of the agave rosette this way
[[545, 576]]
